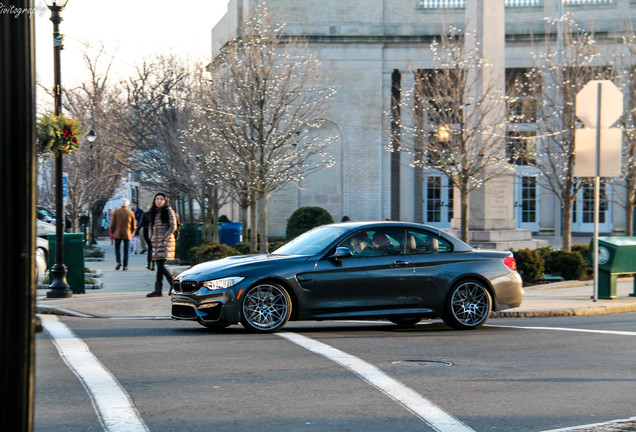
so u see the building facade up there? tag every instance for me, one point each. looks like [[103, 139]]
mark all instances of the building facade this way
[[365, 48]]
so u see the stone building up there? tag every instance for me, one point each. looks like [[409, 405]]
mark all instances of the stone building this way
[[365, 48]]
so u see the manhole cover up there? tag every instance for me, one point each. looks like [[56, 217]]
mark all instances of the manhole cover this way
[[424, 362]]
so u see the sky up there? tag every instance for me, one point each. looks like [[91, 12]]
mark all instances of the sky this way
[[128, 29]]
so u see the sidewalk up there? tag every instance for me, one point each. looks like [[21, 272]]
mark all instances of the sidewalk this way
[[124, 295]]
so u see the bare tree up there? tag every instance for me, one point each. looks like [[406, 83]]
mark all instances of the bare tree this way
[[264, 105], [95, 170], [558, 75], [628, 122], [451, 129], [157, 108]]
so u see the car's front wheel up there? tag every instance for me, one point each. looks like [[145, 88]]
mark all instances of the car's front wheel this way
[[468, 305], [266, 308]]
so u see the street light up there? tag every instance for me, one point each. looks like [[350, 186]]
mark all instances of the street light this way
[[58, 288]]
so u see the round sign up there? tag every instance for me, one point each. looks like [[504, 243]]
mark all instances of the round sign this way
[[603, 255]]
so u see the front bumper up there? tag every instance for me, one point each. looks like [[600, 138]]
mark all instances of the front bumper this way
[[192, 302]]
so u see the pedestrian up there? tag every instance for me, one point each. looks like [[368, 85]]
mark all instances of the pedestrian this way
[[138, 215], [143, 228], [109, 218], [163, 225], [122, 225]]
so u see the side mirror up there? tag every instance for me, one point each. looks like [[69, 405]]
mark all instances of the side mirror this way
[[341, 252]]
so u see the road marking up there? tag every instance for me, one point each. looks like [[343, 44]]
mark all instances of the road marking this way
[[612, 332], [112, 404], [573, 428], [411, 400]]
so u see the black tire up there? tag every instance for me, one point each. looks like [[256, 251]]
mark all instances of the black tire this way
[[214, 326], [405, 321], [468, 305], [266, 308]]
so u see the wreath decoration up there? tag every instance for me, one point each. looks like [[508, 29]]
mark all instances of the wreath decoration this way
[[58, 134]]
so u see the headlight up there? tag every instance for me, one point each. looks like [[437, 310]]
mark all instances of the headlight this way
[[217, 284]]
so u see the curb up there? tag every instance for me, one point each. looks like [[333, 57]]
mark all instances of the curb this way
[[56, 310], [582, 311]]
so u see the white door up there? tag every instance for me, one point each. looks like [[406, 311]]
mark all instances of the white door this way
[[438, 201], [527, 200], [583, 210]]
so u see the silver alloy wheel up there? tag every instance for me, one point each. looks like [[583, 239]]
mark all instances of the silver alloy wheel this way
[[469, 305], [266, 308]]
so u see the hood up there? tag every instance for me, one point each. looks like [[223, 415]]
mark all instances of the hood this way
[[234, 264]]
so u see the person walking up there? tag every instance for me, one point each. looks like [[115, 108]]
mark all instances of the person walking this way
[[163, 224], [139, 213], [122, 225], [143, 228]]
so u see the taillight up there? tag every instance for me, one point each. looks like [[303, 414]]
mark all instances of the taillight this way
[[510, 263]]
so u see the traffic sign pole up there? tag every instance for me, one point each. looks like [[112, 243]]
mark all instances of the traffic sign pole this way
[[612, 107], [597, 190]]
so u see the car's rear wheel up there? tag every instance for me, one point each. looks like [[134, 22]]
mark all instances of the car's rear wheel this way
[[405, 321], [266, 308], [468, 305]]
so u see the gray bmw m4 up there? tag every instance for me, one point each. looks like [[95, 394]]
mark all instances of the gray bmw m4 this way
[[396, 271]]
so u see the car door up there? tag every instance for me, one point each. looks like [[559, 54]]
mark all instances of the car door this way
[[435, 265], [377, 278]]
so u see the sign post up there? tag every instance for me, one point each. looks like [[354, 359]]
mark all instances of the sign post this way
[[598, 105]]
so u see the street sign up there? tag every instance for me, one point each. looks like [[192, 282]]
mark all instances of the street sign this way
[[585, 152], [598, 149], [611, 104]]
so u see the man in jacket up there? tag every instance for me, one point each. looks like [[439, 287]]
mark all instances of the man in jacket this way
[[122, 225]]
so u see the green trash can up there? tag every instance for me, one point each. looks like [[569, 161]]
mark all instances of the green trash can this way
[[189, 237], [616, 255], [73, 260]]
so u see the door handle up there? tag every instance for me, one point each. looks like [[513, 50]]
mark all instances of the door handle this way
[[400, 263]]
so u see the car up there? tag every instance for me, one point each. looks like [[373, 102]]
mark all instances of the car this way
[[41, 256], [44, 214], [397, 271], [43, 229]]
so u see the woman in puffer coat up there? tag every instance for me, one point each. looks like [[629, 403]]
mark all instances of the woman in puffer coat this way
[[163, 223]]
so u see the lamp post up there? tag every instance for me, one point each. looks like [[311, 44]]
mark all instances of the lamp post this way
[[58, 288]]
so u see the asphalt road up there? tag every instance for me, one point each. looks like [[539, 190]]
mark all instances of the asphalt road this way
[[512, 375]]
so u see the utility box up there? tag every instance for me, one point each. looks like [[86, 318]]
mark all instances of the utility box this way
[[230, 232], [189, 237], [73, 260], [616, 255]]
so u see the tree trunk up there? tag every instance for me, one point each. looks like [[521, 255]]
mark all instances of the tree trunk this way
[[566, 227], [253, 227], [262, 223], [243, 219], [463, 192], [629, 210]]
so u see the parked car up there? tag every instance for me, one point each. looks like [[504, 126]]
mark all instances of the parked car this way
[[44, 215], [43, 229], [402, 272], [41, 256]]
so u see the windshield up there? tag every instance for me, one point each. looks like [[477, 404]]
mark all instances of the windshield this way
[[311, 242]]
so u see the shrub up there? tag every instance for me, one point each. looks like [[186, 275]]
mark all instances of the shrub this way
[[306, 218], [584, 250], [569, 265], [529, 265], [210, 251], [244, 247], [93, 253]]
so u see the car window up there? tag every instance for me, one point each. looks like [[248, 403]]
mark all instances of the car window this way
[[423, 242], [311, 242], [376, 242]]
